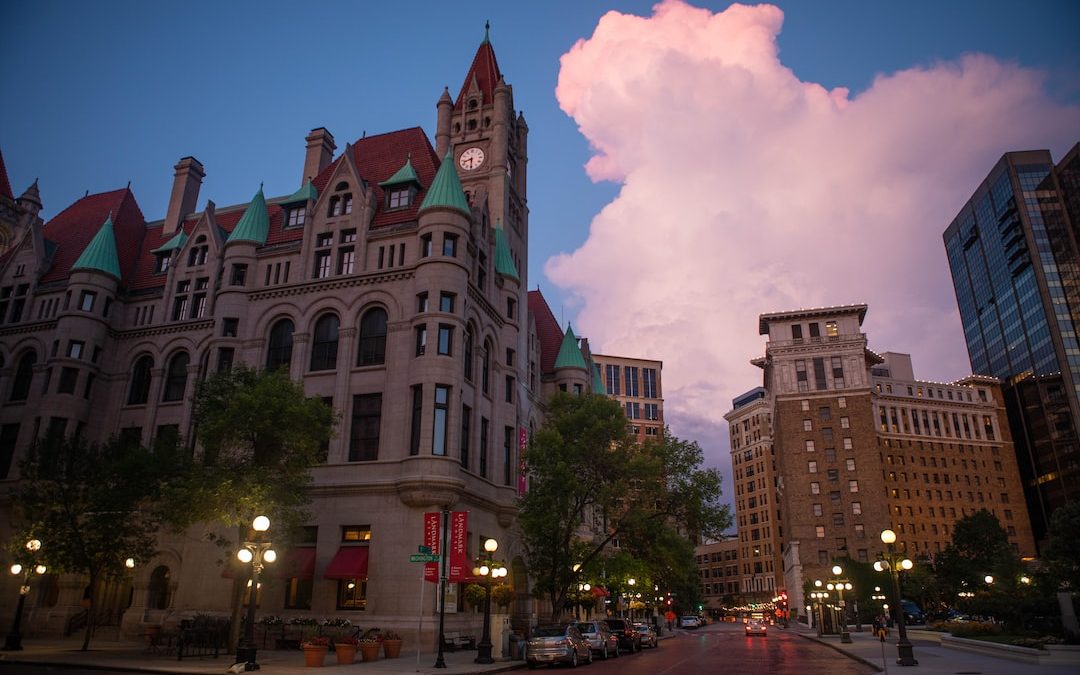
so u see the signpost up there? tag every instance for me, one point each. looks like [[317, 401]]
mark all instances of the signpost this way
[[424, 557]]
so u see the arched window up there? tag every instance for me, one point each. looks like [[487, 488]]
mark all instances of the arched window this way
[[24, 374], [325, 343], [157, 595], [372, 338], [279, 352], [140, 381], [485, 368], [176, 378]]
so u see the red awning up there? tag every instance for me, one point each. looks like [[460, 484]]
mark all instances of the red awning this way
[[599, 591], [298, 563], [350, 562]]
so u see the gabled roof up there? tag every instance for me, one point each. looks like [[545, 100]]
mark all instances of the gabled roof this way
[[72, 229], [598, 380], [305, 194], [446, 190], [504, 262], [176, 242], [486, 71], [255, 224], [548, 333], [570, 355], [404, 175], [100, 254], [5, 184]]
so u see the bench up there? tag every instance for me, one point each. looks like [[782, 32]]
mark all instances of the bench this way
[[455, 641]]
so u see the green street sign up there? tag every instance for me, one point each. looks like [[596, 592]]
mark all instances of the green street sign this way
[[424, 557], [423, 549]]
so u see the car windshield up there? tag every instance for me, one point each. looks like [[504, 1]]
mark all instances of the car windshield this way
[[586, 627], [551, 631], [643, 629]]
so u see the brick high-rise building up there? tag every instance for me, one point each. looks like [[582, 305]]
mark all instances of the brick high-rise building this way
[[1014, 254], [861, 445], [635, 384]]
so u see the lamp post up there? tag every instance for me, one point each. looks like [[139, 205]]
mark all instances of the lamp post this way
[[894, 562], [841, 585], [13, 641], [818, 597], [487, 569], [255, 551]]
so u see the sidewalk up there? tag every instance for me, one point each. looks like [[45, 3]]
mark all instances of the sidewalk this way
[[127, 655], [933, 658]]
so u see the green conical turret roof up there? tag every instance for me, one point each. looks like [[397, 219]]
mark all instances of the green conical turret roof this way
[[406, 174], [446, 189], [569, 353], [598, 380], [255, 223], [304, 194], [504, 262], [100, 253], [178, 241]]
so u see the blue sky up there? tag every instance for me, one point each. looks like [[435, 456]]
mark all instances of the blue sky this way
[[97, 94]]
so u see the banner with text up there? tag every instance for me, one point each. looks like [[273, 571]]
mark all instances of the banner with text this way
[[431, 540], [523, 443], [460, 567]]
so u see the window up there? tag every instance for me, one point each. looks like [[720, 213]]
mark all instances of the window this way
[[198, 305], [819, 530], [815, 330], [446, 339], [399, 198], [815, 488], [75, 349], [819, 371], [297, 216], [225, 359], [441, 419], [352, 594], [446, 303], [831, 329], [850, 464], [856, 508], [68, 377], [230, 326], [800, 375], [633, 410], [509, 398], [346, 203], [372, 338], [180, 304], [366, 420], [853, 486], [652, 411], [414, 425], [838, 519], [796, 332], [648, 382], [511, 308], [841, 402], [837, 372], [809, 445], [845, 423], [425, 246], [483, 446], [139, 392], [346, 261], [449, 247], [833, 475], [421, 339], [631, 380], [322, 265], [508, 453], [467, 352], [485, 368], [811, 467], [347, 236], [324, 346], [817, 509], [176, 378], [86, 301], [279, 350], [161, 263], [612, 376], [239, 274], [466, 433]]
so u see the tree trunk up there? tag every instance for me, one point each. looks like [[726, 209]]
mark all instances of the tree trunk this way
[[90, 613]]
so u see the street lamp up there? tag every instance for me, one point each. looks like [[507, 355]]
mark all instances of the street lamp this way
[[894, 562], [255, 551], [819, 597], [487, 569], [13, 641], [841, 585]]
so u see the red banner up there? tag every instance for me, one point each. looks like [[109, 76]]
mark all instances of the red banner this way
[[431, 540], [523, 443], [460, 568]]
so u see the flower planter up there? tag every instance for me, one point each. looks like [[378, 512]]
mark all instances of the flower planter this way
[[346, 653], [391, 648], [314, 655], [369, 651]]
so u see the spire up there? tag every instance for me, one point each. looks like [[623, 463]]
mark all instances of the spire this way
[[255, 223], [304, 194], [504, 262], [406, 174], [100, 254], [485, 71], [446, 190], [569, 353], [487, 33], [31, 196], [598, 380]]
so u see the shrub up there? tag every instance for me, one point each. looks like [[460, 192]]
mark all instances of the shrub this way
[[971, 628]]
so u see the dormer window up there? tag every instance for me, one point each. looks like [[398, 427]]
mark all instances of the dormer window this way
[[296, 216], [197, 255], [161, 262], [340, 204], [400, 197]]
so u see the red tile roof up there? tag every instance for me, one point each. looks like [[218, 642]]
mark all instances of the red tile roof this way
[[73, 228], [378, 158], [486, 70], [5, 184], [547, 331]]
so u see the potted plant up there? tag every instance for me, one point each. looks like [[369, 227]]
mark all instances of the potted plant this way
[[391, 644], [370, 644], [345, 648], [502, 595], [474, 595], [315, 649]]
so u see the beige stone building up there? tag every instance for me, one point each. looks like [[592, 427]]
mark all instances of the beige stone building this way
[[861, 445], [721, 576], [635, 384]]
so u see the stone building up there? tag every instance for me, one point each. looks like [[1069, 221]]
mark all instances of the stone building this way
[[391, 283], [860, 445], [635, 384], [721, 578]]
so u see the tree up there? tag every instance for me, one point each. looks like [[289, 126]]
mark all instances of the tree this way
[[92, 506], [1062, 554], [260, 435], [979, 547], [586, 469]]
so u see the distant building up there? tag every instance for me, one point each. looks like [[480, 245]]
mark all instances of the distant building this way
[[861, 445], [718, 567], [1015, 261], [635, 384]]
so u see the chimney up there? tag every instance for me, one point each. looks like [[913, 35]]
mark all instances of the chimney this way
[[320, 152], [185, 192]]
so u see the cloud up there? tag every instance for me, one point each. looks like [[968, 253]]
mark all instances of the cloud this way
[[745, 190]]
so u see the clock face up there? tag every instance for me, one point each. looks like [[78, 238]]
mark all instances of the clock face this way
[[471, 159]]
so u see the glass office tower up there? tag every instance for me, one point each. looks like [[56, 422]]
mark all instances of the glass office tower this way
[[1015, 266]]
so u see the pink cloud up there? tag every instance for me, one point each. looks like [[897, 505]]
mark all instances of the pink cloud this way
[[746, 190]]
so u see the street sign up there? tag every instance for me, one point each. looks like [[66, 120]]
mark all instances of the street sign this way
[[423, 549], [424, 557]]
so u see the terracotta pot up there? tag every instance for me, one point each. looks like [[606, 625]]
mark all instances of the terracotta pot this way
[[152, 631], [346, 653], [315, 655], [391, 648], [369, 651]]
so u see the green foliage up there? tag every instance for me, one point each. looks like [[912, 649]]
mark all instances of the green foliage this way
[[503, 594], [1062, 554], [474, 595], [979, 546]]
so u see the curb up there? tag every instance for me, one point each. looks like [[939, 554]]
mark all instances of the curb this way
[[67, 665], [855, 657]]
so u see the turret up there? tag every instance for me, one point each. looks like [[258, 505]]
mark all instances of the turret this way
[[445, 108]]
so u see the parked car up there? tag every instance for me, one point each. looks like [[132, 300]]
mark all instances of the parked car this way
[[557, 644], [629, 638], [648, 635], [600, 638], [912, 614], [689, 622], [756, 627]]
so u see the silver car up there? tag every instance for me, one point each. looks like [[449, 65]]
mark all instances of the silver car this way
[[557, 644], [600, 638]]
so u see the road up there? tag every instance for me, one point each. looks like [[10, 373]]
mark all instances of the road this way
[[722, 648]]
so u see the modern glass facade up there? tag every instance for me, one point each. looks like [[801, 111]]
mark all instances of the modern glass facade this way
[[1015, 267]]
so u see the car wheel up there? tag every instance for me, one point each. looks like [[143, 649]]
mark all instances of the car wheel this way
[[616, 654], [605, 653], [573, 659]]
